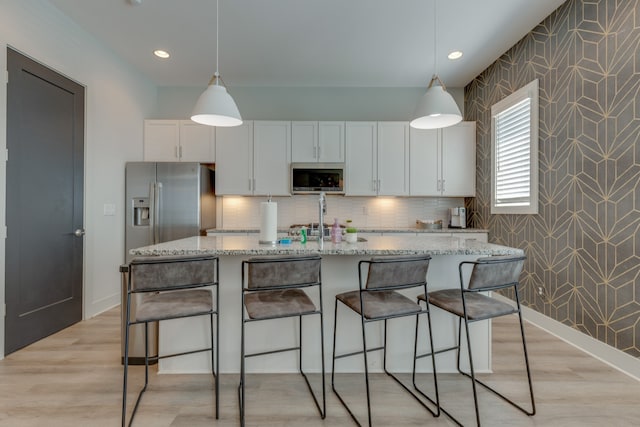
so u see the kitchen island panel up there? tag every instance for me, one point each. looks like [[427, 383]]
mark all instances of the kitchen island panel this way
[[339, 274]]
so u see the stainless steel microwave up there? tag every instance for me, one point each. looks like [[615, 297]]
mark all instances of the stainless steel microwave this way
[[311, 178]]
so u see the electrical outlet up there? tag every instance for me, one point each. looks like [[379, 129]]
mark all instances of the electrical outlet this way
[[541, 291]]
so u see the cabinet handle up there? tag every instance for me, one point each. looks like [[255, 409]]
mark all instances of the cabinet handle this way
[[177, 153], [249, 184], [254, 184], [442, 189], [180, 149], [315, 152], [318, 152]]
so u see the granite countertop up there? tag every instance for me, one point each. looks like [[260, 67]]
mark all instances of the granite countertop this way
[[375, 245], [365, 230]]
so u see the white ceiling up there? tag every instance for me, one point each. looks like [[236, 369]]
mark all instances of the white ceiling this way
[[362, 43]]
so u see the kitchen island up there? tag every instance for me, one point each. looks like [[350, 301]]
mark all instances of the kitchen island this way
[[339, 274]]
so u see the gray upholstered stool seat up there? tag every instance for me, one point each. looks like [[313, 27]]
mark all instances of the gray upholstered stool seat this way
[[479, 306], [169, 305], [379, 299], [275, 287], [379, 304], [470, 303], [279, 303], [170, 287]]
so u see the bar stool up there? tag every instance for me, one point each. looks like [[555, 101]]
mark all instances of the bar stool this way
[[378, 299], [487, 274], [272, 288], [170, 287]]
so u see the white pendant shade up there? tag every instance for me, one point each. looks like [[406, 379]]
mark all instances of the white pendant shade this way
[[436, 109], [216, 107]]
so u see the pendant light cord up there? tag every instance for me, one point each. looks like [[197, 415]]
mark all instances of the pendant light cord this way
[[435, 39], [217, 36]]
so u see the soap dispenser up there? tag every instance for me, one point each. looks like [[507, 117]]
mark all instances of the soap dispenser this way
[[336, 232]]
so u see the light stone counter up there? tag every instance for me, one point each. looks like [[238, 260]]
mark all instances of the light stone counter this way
[[339, 274], [375, 245]]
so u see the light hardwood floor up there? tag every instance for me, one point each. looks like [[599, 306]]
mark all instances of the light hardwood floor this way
[[74, 378]]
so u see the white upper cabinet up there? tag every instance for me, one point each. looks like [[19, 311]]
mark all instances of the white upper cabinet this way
[[331, 142], [234, 154], [377, 158], [459, 160], [393, 158], [424, 162], [271, 158], [361, 140], [313, 142], [253, 159], [178, 141], [443, 161]]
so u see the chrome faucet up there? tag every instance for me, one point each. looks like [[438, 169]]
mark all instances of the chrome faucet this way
[[322, 210]]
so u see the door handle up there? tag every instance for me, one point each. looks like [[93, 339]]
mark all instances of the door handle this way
[[79, 232]]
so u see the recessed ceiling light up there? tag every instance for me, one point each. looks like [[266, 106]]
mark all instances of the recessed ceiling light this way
[[456, 54], [161, 53]]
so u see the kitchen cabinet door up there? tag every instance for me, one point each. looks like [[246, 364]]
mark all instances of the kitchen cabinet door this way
[[271, 158], [393, 159], [313, 142], [459, 160], [330, 142], [197, 142], [443, 161], [304, 142], [361, 158], [234, 159], [161, 140], [178, 141], [424, 162]]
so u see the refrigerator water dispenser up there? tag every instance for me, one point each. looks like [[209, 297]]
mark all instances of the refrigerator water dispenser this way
[[140, 211]]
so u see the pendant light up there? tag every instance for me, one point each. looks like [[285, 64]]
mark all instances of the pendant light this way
[[437, 108], [216, 107]]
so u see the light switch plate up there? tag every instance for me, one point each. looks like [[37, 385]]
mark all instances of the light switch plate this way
[[109, 209]]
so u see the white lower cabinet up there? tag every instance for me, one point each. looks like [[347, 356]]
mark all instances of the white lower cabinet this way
[[253, 159]]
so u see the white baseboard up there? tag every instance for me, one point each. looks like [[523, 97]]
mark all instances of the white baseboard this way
[[613, 357], [102, 305]]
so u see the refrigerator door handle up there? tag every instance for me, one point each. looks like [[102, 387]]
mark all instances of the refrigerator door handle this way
[[156, 212], [152, 213]]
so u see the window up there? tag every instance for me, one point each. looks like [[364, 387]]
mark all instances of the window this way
[[514, 146]]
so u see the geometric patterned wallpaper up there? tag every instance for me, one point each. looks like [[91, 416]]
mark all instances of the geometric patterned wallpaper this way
[[583, 248]]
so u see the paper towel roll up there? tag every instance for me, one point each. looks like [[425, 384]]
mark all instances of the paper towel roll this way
[[268, 222]]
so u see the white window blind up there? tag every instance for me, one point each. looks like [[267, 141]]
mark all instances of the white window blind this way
[[514, 139], [513, 171]]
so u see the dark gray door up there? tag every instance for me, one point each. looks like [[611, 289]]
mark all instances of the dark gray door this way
[[45, 139]]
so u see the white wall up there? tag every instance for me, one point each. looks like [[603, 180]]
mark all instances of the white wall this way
[[305, 103], [118, 98]]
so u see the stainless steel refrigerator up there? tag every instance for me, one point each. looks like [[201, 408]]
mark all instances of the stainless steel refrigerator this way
[[164, 201], [167, 201]]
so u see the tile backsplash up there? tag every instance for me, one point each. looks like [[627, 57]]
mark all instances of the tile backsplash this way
[[236, 212]]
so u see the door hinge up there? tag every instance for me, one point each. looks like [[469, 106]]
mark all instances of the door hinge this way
[[6, 76], [5, 155], [4, 310], [3, 232]]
